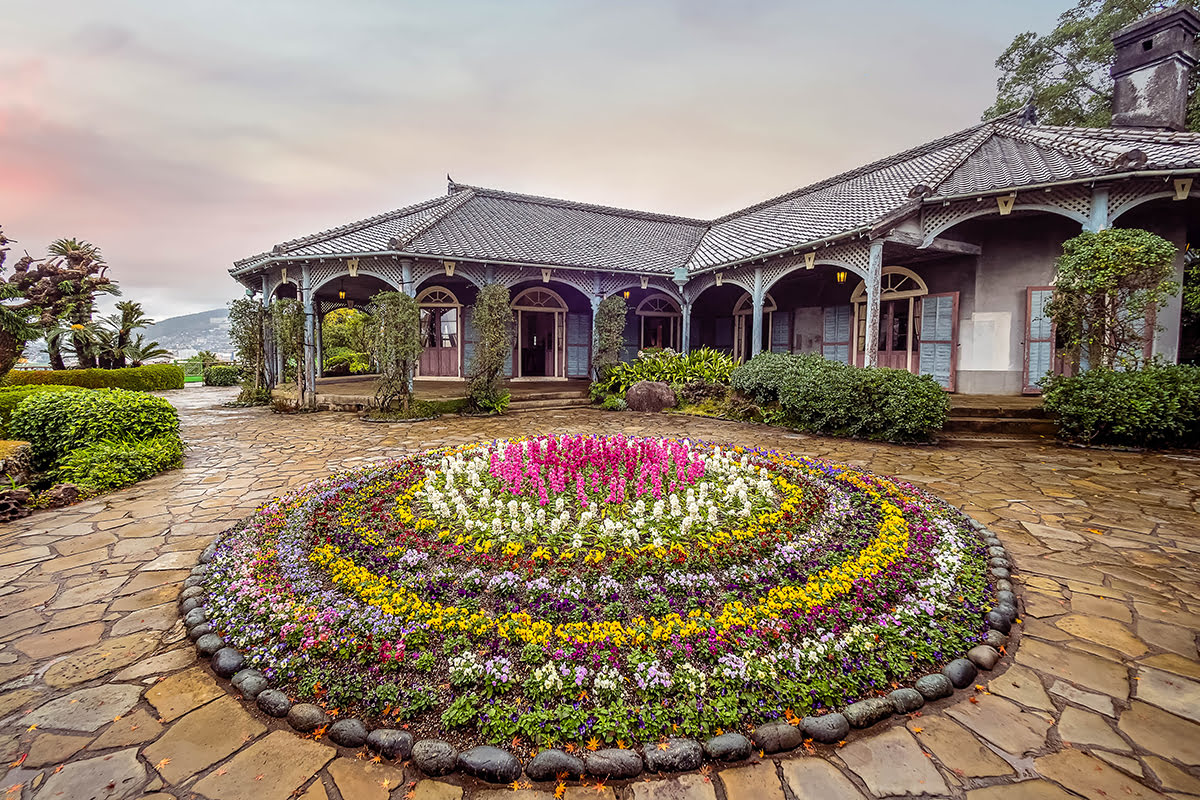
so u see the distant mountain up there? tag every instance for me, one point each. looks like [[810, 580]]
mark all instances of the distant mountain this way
[[187, 335]]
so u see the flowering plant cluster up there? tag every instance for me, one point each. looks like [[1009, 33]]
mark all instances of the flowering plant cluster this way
[[569, 589]]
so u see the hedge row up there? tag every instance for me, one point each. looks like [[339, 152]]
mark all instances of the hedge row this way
[[11, 397], [222, 375], [813, 394], [1156, 406], [56, 424], [148, 378]]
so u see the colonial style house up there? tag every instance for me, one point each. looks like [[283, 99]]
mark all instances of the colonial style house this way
[[937, 259]]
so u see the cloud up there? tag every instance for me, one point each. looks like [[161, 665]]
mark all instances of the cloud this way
[[181, 137]]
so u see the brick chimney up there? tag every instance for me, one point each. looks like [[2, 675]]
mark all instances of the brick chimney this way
[[1154, 57]]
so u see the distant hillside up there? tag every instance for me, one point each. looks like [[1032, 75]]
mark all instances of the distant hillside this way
[[187, 335]]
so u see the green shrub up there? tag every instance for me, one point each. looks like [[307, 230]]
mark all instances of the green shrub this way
[[1156, 406], [613, 403], [148, 378], [822, 396], [763, 377], [344, 361], [222, 375], [55, 423], [107, 465], [11, 397], [703, 364], [492, 316]]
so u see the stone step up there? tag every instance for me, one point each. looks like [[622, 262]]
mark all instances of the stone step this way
[[548, 404], [1001, 412], [1001, 426]]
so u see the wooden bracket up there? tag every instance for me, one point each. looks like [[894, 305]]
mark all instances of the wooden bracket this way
[[283, 275], [449, 267], [645, 281], [352, 267], [545, 276], [1183, 187], [717, 278], [810, 260], [1006, 204]]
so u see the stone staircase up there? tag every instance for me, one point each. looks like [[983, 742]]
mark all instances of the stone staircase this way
[[997, 418], [550, 400]]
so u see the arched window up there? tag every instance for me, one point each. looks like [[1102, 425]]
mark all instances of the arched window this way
[[743, 326], [660, 322], [899, 291], [539, 300]]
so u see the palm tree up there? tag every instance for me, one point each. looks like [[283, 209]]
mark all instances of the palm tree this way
[[84, 256], [129, 317], [140, 351]]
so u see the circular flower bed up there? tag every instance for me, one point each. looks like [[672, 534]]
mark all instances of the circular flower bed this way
[[584, 590]]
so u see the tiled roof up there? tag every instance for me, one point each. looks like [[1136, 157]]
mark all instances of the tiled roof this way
[[473, 223], [501, 226]]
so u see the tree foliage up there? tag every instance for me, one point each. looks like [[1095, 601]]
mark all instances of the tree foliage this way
[[609, 334], [350, 328], [1065, 73], [42, 292], [493, 321], [1106, 284], [397, 348], [287, 324], [248, 323]]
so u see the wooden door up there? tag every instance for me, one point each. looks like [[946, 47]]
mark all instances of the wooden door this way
[[895, 327], [937, 351], [440, 336], [1039, 338]]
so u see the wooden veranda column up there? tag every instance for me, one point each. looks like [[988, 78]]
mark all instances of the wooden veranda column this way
[[756, 301], [685, 333], [874, 278], [308, 394]]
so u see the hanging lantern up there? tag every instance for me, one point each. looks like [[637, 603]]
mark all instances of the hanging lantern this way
[[342, 290], [841, 276], [625, 294]]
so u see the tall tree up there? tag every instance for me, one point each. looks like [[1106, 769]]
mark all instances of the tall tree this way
[[45, 291], [1065, 72]]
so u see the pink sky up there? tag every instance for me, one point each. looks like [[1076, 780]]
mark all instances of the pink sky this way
[[181, 137]]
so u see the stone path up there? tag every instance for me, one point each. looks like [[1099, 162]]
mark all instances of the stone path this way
[[102, 697]]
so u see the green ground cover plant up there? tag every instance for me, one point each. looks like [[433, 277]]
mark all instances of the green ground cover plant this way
[[667, 366]]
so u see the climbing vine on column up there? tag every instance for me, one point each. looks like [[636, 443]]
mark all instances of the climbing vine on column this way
[[397, 348]]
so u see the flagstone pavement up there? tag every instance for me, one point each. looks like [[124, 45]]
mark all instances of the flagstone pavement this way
[[102, 697]]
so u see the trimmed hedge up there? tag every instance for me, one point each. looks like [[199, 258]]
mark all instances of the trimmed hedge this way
[[821, 396], [1156, 406], [148, 378], [55, 423], [222, 375], [109, 465], [11, 397]]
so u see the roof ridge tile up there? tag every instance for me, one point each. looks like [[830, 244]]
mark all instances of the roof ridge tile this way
[[357, 225], [483, 191]]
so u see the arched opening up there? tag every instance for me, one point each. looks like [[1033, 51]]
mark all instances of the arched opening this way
[[346, 338], [344, 292], [540, 349], [899, 327], [441, 333], [743, 326], [660, 322]]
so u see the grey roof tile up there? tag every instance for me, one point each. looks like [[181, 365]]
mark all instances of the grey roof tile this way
[[1005, 153]]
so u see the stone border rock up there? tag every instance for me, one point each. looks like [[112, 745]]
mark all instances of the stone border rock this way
[[437, 758]]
